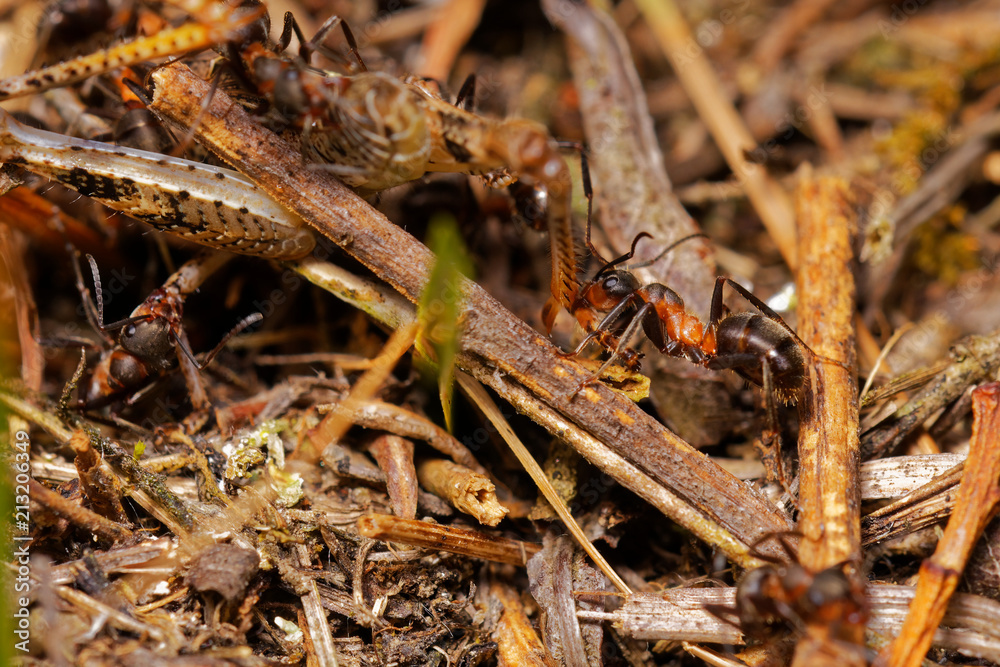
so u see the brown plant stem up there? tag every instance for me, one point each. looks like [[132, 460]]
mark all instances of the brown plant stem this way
[[829, 460]]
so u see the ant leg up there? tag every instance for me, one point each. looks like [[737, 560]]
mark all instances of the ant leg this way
[[289, 26], [780, 537], [316, 43], [466, 98], [630, 330], [733, 361], [718, 309], [769, 444], [757, 303], [602, 327]]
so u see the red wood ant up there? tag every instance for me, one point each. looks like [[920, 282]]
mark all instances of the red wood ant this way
[[774, 598], [761, 348], [142, 350]]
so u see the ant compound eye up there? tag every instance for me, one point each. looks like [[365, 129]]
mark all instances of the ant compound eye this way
[[610, 282], [129, 331]]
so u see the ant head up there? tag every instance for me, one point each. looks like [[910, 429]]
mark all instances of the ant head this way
[[610, 286], [833, 596], [289, 96], [607, 289], [149, 339]]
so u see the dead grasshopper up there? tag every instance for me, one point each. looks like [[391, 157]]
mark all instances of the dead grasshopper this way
[[376, 131], [209, 205]]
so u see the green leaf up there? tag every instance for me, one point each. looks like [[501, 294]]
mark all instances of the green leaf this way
[[440, 307]]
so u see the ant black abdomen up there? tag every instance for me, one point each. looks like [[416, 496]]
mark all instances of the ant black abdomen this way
[[747, 343]]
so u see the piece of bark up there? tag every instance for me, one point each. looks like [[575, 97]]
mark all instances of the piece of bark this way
[[101, 487], [80, 516], [679, 614], [394, 456], [555, 573], [518, 642], [225, 569], [828, 440]]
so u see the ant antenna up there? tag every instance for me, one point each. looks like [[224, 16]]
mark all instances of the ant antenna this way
[[668, 249], [624, 258], [98, 292], [248, 321], [95, 319]]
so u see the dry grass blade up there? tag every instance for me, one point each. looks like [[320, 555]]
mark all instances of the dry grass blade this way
[[495, 345], [479, 396], [922, 507], [335, 425], [973, 360], [727, 128], [446, 36]]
